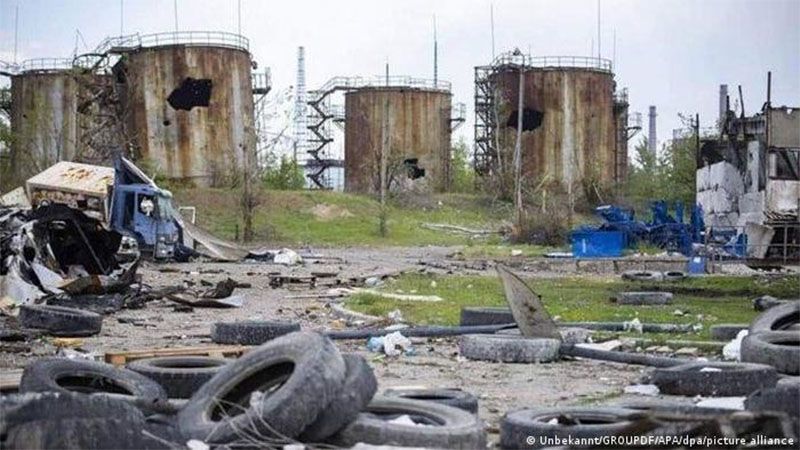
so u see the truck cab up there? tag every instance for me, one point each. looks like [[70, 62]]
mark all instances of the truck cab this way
[[145, 213]]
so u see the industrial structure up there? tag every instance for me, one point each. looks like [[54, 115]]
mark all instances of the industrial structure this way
[[748, 182], [575, 124], [179, 103], [411, 118]]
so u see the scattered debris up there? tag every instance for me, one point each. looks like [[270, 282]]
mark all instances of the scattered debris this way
[[732, 350], [392, 344], [642, 389], [643, 298]]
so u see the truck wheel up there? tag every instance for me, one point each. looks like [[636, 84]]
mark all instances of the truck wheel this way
[[779, 349], [250, 332], [506, 348], [718, 379], [435, 426], [449, 397], [180, 376], [60, 321], [358, 389], [301, 372]]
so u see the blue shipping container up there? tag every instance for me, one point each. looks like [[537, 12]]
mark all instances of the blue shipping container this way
[[597, 244]]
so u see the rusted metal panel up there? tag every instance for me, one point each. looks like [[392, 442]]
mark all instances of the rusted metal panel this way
[[206, 145], [784, 127], [419, 124], [575, 142], [43, 122]]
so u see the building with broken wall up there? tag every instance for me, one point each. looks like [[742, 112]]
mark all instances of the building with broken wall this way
[[748, 182], [180, 103], [574, 122]]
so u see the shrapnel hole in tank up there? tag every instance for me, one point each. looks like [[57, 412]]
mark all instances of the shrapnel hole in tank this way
[[191, 92]]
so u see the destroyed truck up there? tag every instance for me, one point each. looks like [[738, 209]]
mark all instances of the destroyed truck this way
[[123, 198]]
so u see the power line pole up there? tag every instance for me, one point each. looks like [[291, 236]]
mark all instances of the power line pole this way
[[518, 146]]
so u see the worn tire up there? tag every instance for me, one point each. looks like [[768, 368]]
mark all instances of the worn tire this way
[[305, 370], [60, 321], [180, 376], [250, 332], [451, 427], [449, 397], [726, 331], [517, 426], [661, 405], [358, 389], [784, 399], [777, 318], [735, 379], [480, 315], [100, 304], [89, 377], [16, 409], [505, 348], [674, 275], [779, 349], [642, 275], [788, 381], [643, 298], [82, 433]]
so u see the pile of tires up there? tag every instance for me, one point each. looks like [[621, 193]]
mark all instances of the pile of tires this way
[[774, 339], [295, 388]]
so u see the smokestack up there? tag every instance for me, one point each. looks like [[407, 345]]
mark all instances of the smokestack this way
[[651, 139], [723, 103], [300, 106]]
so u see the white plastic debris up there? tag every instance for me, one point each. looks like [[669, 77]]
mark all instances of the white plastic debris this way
[[736, 403], [405, 419], [395, 343], [516, 252], [553, 421], [294, 447], [195, 444], [642, 389], [372, 282], [633, 325], [732, 350], [287, 257], [710, 369]]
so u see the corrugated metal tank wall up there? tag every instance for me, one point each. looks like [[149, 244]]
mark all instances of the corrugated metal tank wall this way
[[205, 145], [576, 137], [419, 122], [43, 122]]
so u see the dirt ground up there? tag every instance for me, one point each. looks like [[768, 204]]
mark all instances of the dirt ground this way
[[500, 387]]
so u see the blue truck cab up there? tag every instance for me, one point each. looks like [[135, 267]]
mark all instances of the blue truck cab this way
[[145, 213]]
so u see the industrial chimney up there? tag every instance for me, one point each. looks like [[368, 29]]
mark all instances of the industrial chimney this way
[[723, 104], [651, 139]]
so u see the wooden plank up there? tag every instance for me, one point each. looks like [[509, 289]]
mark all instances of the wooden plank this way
[[9, 379], [119, 358]]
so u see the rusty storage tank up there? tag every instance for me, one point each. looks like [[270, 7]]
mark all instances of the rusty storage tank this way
[[188, 100], [569, 122], [419, 121], [43, 116]]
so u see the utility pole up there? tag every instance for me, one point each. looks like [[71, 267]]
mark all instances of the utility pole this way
[[384, 157], [518, 147]]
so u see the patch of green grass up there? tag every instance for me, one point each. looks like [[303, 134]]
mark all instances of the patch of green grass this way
[[334, 218], [581, 299]]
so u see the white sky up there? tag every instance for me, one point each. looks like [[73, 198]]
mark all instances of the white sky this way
[[669, 53]]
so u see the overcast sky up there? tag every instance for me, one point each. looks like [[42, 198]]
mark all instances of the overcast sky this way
[[669, 53]]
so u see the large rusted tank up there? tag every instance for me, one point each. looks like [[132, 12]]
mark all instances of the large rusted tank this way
[[43, 117], [570, 129], [418, 123], [189, 106]]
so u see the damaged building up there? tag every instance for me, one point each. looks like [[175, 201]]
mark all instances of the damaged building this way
[[416, 117], [748, 182], [574, 121]]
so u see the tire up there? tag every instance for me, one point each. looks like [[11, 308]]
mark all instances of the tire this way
[[726, 331], [305, 371], [669, 406], [476, 315], [449, 397], [358, 389], [766, 302], [511, 349], [779, 349], [180, 376], [451, 427], [674, 275], [250, 332], [788, 381], [517, 426], [16, 409], [642, 275], [643, 298], [89, 377], [784, 399], [777, 318], [734, 379], [60, 321], [100, 304], [83, 433]]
